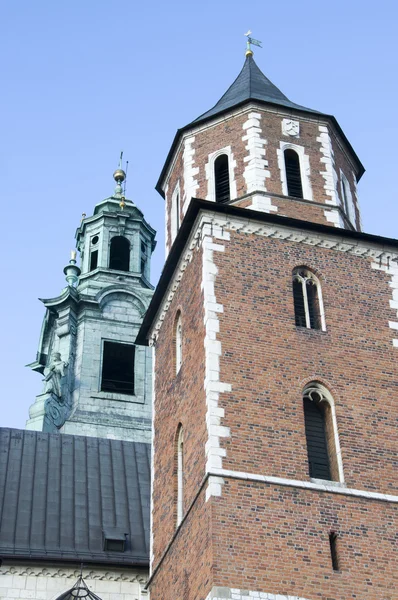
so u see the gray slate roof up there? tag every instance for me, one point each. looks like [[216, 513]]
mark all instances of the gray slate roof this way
[[251, 84], [59, 492]]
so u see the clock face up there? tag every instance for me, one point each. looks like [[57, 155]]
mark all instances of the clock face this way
[[290, 127]]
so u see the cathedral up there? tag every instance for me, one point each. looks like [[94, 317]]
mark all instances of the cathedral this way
[[231, 434]]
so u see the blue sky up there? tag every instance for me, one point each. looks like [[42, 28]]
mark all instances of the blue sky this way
[[84, 79]]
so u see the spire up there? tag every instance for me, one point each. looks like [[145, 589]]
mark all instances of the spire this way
[[251, 84], [119, 176]]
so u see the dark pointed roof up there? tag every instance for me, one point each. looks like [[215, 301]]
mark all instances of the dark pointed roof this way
[[251, 84]]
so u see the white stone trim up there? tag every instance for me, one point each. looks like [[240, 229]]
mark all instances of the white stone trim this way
[[223, 223], [388, 266], [305, 170], [209, 170], [330, 176], [180, 475], [255, 172], [190, 171], [224, 593], [109, 572], [329, 486], [262, 204], [213, 384], [174, 215]]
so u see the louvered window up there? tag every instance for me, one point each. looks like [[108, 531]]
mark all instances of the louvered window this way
[[315, 432], [307, 299], [323, 446], [221, 176], [293, 174]]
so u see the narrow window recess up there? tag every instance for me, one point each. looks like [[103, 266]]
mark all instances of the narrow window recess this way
[[118, 368], [180, 476], [333, 550], [93, 260], [221, 176], [345, 197], [119, 256], [293, 174], [177, 209], [315, 432], [178, 342]]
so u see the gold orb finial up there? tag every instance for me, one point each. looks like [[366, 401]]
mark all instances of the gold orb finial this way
[[249, 52], [119, 176]]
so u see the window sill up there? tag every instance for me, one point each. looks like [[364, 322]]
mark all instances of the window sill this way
[[119, 397], [328, 482], [310, 329]]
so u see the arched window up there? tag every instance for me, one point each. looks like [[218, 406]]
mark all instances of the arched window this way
[[119, 256], [293, 174], [178, 341], [323, 448], [307, 297], [221, 178], [180, 475]]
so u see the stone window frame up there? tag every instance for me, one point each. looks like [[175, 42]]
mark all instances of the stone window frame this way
[[305, 170], [310, 275], [179, 448], [139, 389], [349, 209], [332, 435], [210, 175], [175, 208], [177, 342]]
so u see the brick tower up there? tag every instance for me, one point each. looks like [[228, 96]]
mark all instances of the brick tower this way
[[274, 332]]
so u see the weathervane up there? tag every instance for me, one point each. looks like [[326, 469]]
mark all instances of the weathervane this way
[[250, 40]]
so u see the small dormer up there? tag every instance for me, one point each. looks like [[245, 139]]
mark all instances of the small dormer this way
[[114, 539]]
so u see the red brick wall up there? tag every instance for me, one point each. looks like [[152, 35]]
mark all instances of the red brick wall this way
[[187, 570], [179, 399], [276, 539], [267, 358]]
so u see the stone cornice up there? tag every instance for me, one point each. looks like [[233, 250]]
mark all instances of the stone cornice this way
[[109, 573], [208, 221]]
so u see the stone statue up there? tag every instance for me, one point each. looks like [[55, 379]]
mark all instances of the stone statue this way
[[53, 375]]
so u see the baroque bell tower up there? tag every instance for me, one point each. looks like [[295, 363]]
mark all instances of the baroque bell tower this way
[[274, 335], [96, 381]]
